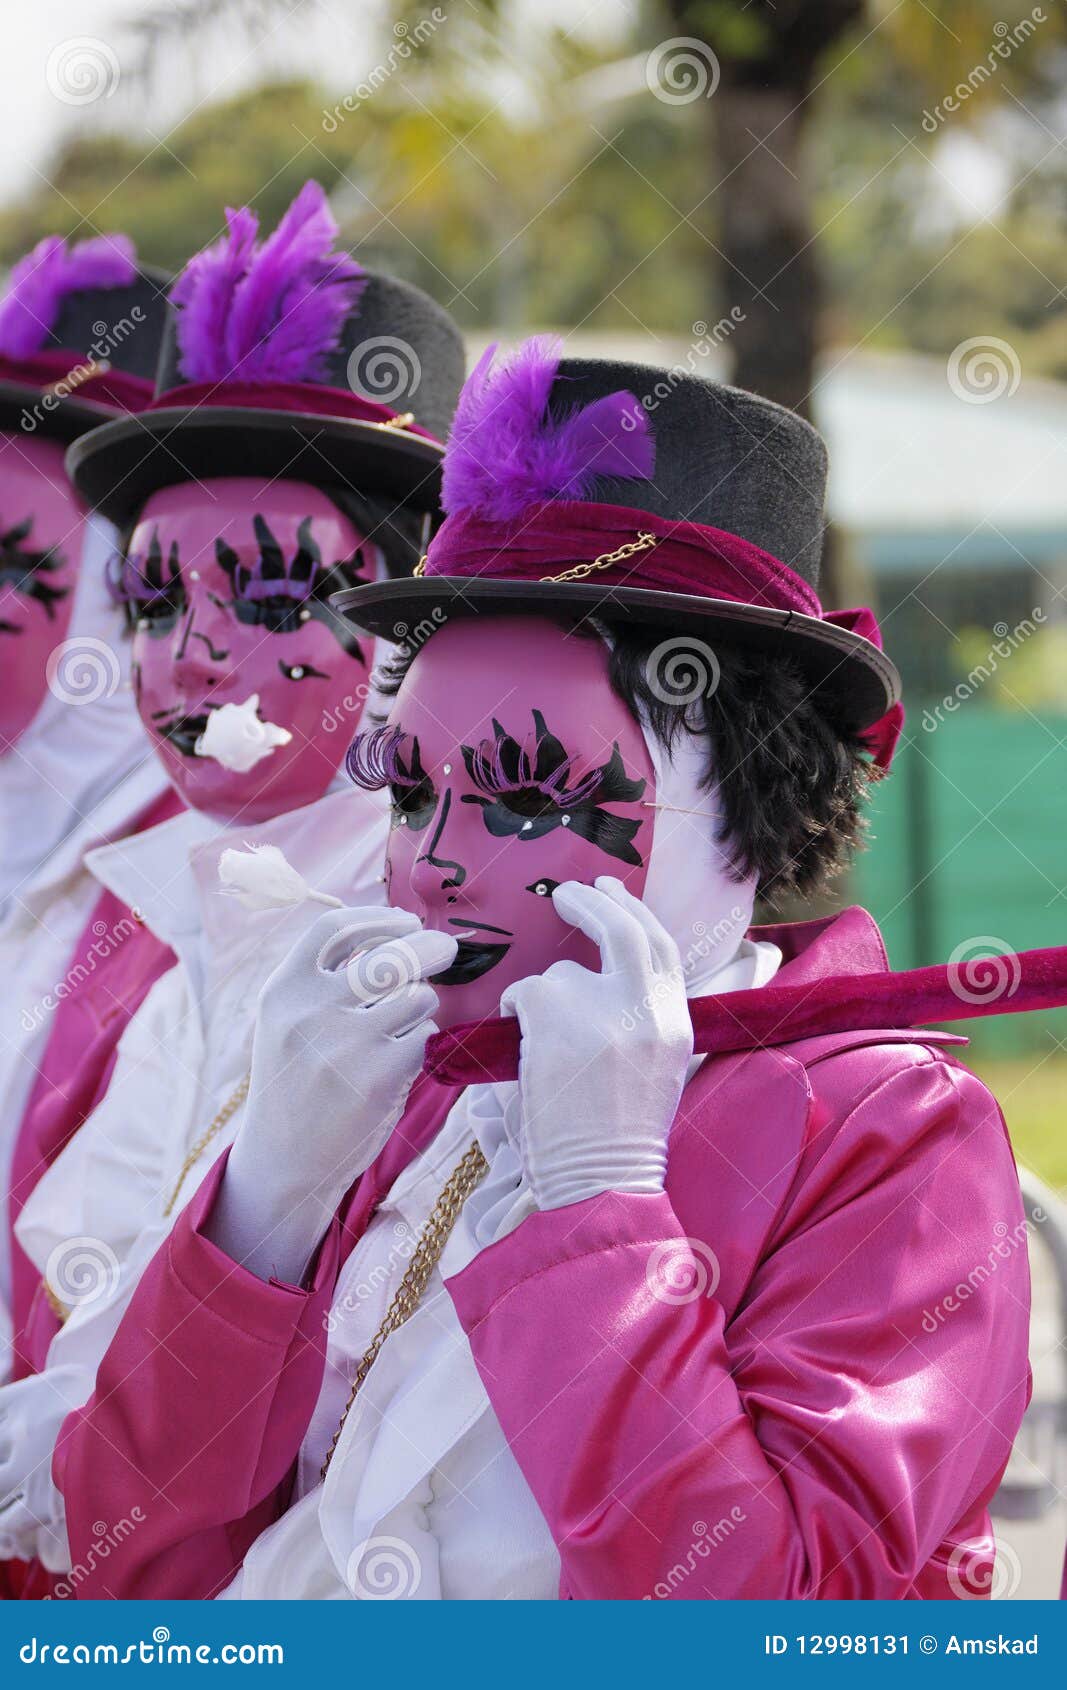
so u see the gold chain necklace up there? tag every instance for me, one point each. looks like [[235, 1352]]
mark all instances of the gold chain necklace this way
[[427, 1253], [226, 1113]]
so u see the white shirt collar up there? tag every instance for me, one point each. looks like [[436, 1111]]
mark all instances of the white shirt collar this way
[[169, 873]]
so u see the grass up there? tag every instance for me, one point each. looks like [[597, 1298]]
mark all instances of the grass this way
[[1032, 1091]]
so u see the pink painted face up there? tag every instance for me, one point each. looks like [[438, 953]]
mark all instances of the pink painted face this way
[[41, 523], [513, 766], [226, 585]]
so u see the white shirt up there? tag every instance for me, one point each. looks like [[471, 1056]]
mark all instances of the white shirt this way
[[423, 1499]]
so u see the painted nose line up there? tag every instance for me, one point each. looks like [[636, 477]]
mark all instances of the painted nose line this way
[[460, 875], [216, 655]]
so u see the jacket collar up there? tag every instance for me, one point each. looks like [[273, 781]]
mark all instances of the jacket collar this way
[[846, 943]]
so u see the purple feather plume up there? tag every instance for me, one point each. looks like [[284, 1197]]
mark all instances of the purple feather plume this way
[[505, 452], [272, 311], [40, 282]]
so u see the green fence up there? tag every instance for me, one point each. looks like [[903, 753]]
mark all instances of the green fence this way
[[969, 845]]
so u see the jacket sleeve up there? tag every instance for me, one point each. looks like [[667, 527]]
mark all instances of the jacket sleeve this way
[[185, 1450], [858, 1404]]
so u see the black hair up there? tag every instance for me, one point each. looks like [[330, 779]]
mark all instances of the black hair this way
[[791, 776]]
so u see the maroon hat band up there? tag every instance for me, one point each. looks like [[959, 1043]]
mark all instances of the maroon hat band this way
[[569, 540], [71, 375], [301, 397]]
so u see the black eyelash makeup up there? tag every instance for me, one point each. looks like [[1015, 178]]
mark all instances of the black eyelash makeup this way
[[388, 757], [26, 570], [280, 595], [527, 794], [149, 589]]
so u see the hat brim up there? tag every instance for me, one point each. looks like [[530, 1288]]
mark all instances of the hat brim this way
[[118, 467], [862, 680], [63, 419]]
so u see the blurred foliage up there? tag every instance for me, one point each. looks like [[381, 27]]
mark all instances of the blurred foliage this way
[[517, 181]]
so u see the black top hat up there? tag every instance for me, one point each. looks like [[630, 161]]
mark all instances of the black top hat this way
[[80, 331], [591, 489], [311, 368]]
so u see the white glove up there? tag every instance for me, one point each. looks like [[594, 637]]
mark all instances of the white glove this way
[[341, 1030], [604, 1056], [32, 1516]]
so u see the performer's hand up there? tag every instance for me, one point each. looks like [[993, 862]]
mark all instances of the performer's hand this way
[[604, 1056], [340, 1034], [32, 1521]]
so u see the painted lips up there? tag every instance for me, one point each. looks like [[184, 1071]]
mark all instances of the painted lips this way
[[472, 960], [183, 732]]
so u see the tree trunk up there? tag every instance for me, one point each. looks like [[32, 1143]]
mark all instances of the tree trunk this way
[[768, 267]]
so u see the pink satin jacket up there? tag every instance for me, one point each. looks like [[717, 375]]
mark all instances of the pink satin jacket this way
[[797, 1373]]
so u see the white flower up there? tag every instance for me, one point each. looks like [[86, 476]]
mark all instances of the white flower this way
[[236, 737], [262, 878]]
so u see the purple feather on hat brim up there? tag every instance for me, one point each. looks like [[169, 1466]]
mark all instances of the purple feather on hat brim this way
[[506, 452], [273, 312], [40, 282], [203, 294]]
